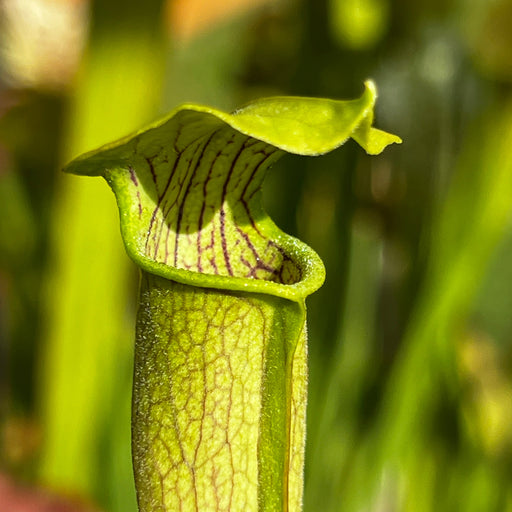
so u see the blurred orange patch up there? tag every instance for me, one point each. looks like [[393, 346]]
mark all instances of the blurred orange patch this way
[[189, 18]]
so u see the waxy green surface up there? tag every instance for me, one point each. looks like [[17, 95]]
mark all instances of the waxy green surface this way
[[220, 364]]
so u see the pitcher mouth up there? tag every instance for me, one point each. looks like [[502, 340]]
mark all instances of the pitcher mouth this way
[[188, 189], [258, 257], [191, 209]]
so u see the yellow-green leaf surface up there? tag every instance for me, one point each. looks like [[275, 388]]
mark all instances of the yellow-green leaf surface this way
[[224, 429], [220, 369]]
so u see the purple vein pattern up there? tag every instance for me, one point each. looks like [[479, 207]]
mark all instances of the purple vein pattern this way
[[199, 203]]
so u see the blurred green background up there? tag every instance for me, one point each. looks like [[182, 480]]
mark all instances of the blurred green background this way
[[410, 406]]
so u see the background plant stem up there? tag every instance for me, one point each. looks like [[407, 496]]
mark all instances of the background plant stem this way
[[87, 357]]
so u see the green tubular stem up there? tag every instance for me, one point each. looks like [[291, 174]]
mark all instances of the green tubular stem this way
[[220, 367], [219, 399]]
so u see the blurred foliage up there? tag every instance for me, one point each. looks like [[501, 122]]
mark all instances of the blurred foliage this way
[[410, 403]]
